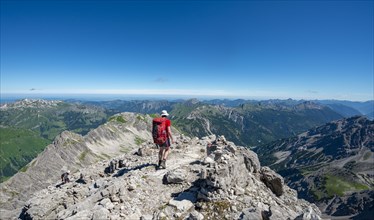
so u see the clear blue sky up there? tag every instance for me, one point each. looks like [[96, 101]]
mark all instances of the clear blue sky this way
[[247, 49]]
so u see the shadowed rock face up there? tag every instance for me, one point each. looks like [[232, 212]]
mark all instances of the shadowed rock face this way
[[340, 153], [206, 178]]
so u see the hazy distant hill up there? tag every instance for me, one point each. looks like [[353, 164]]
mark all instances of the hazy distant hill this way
[[28, 126], [239, 102], [364, 108], [227, 102], [138, 106], [345, 108], [331, 165]]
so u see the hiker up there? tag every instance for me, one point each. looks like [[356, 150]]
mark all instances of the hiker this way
[[65, 177], [161, 133]]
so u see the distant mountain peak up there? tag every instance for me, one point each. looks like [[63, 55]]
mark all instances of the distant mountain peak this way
[[308, 105], [31, 103], [193, 101]]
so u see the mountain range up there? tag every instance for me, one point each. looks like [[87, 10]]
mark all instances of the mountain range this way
[[321, 152], [331, 165], [364, 108], [27, 126], [250, 124], [344, 108]]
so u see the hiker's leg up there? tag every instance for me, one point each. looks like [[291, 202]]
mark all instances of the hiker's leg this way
[[166, 153], [167, 149], [160, 153]]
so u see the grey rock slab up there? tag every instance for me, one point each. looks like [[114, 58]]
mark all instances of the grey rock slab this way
[[250, 214], [272, 180], [175, 176], [100, 213], [195, 215], [83, 215], [107, 204], [183, 205]]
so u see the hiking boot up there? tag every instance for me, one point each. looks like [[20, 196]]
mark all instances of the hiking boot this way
[[159, 163]]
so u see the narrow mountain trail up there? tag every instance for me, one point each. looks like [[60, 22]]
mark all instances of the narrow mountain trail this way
[[179, 159]]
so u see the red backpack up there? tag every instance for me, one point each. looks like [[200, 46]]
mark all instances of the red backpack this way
[[159, 132]]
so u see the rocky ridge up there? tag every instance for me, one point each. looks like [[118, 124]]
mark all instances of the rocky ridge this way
[[71, 151], [208, 178]]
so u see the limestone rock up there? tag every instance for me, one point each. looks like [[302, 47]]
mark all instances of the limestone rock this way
[[107, 204], [83, 215], [101, 213], [145, 151], [308, 215], [272, 180], [250, 214], [195, 215], [251, 161], [175, 176], [182, 205]]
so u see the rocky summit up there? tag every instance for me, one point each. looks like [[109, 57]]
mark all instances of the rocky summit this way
[[207, 178]]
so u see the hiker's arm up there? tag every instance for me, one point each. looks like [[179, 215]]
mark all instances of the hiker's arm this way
[[170, 135]]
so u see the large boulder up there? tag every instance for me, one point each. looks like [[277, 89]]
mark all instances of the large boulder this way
[[252, 163], [175, 176], [272, 180], [145, 151]]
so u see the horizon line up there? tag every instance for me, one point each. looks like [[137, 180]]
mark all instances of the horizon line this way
[[248, 93], [165, 96]]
